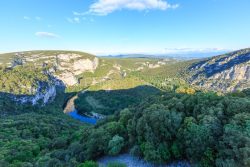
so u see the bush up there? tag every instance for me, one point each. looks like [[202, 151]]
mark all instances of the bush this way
[[115, 145], [88, 164]]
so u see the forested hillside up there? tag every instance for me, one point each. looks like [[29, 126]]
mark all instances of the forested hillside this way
[[203, 128], [155, 109]]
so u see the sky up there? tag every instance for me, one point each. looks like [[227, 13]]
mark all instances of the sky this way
[[125, 26]]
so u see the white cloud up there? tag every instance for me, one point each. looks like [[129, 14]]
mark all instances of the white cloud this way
[[26, 18], [80, 14], [38, 18], [105, 7], [46, 35], [74, 20]]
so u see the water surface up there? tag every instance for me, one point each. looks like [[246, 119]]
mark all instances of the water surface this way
[[82, 118]]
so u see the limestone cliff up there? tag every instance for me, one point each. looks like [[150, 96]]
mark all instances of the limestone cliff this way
[[54, 68], [64, 65], [225, 73]]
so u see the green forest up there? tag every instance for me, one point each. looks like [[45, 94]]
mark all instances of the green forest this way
[[202, 128]]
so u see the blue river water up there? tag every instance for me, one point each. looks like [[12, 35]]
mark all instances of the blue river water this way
[[81, 118]]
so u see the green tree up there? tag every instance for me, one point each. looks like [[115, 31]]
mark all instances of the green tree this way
[[115, 145]]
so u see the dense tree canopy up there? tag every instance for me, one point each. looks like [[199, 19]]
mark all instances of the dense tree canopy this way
[[202, 128]]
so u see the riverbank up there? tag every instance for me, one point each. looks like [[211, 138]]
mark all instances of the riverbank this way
[[70, 106]]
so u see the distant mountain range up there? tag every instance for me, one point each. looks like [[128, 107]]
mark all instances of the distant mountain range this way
[[177, 56]]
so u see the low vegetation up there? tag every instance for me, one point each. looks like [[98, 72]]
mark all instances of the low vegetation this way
[[21, 79]]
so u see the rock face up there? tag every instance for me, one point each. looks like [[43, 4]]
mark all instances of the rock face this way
[[64, 65], [44, 97], [225, 73], [61, 67], [68, 78], [70, 68], [44, 94]]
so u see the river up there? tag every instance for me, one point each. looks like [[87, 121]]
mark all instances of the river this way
[[81, 118], [72, 112]]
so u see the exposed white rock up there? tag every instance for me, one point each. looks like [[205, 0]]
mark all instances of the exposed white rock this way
[[66, 66], [83, 65], [117, 66], [51, 93], [68, 78], [161, 62], [153, 66], [68, 57], [139, 68], [41, 95]]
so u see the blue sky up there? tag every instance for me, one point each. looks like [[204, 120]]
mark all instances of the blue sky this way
[[125, 26]]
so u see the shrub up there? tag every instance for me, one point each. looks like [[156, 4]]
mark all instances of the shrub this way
[[88, 164]]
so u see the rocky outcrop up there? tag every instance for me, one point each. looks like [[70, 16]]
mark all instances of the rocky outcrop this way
[[44, 94], [225, 73], [48, 94], [71, 65], [40, 92], [68, 71], [68, 78], [61, 67], [65, 66]]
